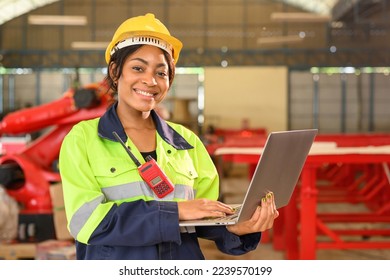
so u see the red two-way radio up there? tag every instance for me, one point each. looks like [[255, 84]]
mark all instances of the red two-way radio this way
[[150, 172]]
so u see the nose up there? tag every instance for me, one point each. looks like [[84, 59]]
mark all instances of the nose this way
[[149, 80]]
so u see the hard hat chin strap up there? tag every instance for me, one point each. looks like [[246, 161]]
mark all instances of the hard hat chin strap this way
[[143, 40]]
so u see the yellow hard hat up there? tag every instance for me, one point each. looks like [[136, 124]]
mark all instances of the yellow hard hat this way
[[144, 30]]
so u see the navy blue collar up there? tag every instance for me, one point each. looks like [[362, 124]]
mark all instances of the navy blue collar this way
[[110, 122]]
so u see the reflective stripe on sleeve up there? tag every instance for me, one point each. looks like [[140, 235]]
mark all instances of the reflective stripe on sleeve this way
[[82, 215], [137, 189]]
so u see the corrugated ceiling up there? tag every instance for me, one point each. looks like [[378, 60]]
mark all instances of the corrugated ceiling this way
[[10, 9]]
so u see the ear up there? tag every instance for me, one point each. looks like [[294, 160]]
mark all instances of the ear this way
[[113, 71]]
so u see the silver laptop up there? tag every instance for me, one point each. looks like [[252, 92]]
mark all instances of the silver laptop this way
[[277, 170]]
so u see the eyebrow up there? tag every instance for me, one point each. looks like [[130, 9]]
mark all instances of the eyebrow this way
[[147, 63]]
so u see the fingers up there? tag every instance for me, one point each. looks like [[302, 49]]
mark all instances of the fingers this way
[[262, 219], [269, 210], [224, 207], [218, 209], [264, 216], [215, 206], [201, 208]]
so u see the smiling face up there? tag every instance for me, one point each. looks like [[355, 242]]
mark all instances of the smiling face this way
[[144, 79]]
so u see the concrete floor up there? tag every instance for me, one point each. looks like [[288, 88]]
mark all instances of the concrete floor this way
[[234, 187]]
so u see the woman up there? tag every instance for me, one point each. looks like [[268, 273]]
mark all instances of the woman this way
[[112, 213]]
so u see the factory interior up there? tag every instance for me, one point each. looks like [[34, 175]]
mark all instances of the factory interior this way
[[247, 68]]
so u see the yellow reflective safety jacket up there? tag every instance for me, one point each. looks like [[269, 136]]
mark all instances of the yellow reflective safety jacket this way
[[113, 214]]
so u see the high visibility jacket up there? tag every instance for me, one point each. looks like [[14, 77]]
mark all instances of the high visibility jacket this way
[[113, 214]]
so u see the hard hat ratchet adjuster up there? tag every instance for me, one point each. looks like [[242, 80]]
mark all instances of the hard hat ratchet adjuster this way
[[143, 40]]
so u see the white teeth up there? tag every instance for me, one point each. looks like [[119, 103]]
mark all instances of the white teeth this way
[[144, 93]]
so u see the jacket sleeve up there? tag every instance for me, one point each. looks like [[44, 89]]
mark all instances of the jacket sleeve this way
[[138, 223], [93, 220], [228, 242]]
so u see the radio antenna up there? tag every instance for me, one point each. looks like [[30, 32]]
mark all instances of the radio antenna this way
[[132, 156]]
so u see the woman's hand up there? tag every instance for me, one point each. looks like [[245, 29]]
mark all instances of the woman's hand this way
[[202, 208], [261, 220]]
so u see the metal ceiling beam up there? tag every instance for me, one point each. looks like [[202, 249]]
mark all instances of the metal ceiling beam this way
[[323, 7], [357, 10], [294, 58]]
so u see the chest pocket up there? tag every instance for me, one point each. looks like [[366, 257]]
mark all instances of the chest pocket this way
[[112, 171], [182, 172]]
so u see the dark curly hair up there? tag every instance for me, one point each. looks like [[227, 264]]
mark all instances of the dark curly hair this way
[[119, 58]]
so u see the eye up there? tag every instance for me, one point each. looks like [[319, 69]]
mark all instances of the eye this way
[[137, 68], [162, 74]]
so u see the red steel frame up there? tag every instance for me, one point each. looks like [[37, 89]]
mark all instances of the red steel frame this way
[[298, 228]]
